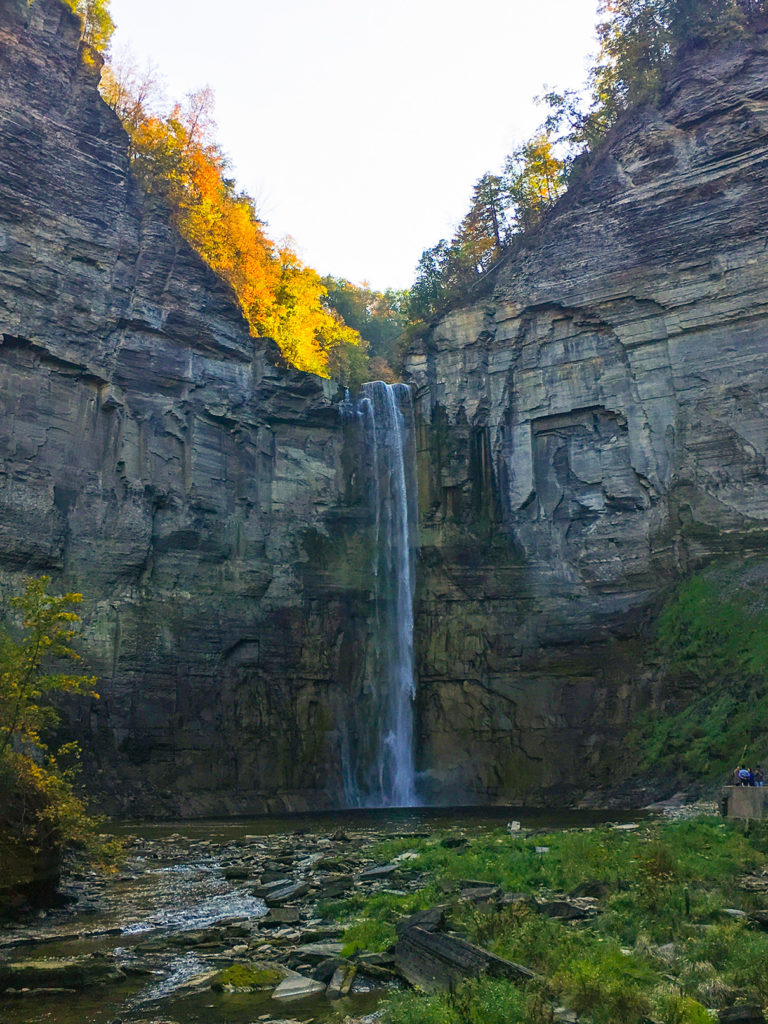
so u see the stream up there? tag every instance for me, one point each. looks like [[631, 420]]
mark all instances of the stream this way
[[190, 899]]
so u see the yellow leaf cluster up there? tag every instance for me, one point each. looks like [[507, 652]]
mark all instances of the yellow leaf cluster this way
[[176, 156]]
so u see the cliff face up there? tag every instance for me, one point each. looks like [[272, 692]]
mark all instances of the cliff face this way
[[590, 428], [156, 457], [593, 426]]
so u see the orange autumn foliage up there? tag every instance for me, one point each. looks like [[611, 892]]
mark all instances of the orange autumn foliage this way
[[281, 298]]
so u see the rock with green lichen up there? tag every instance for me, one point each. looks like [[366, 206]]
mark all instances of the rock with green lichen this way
[[255, 977]]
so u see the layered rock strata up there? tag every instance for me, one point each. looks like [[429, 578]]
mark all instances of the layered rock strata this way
[[157, 458], [594, 425]]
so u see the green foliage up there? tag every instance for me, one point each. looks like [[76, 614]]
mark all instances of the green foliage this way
[[674, 1008], [713, 646], [98, 26], [660, 886], [640, 38], [371, 919], [414, 1008], [502, 206], [247, 976], [379, 317], [608, 985], [41, 811], [708, 633], [370, 934], [483, 1001], [47, 630]]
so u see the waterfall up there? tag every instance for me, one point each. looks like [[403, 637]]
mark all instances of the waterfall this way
[[377, 744]]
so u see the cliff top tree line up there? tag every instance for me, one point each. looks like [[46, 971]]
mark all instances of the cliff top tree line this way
[[350, 332]]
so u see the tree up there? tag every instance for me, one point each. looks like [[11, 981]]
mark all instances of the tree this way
[[177, 158], [26, 683], [639, 38], [132, 92], [501, 206], [41, 812], [482, 234], [98, 26], [428, 291], [379, 317], [535, 179]]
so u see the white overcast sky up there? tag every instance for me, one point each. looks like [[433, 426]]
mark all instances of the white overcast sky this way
[[360, 126]]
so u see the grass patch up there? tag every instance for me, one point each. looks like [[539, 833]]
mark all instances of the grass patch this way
[[659, 948], [712, 644]]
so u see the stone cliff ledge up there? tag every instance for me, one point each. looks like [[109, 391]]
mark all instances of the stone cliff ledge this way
[[602, 410], [591, 428]]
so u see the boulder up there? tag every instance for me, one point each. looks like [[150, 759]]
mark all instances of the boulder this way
[[341, 982], [296, 986], [253, 977]]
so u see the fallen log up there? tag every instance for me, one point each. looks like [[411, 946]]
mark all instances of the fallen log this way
[[435, 961]]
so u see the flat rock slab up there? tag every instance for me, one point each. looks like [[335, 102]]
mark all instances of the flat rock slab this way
[[56, 973], [481, 894], [277, 916], [380, 871], [276, 897], [319, 950], [435, 961], [296, 986], [432, 920], [564, 910], [511, 899], [266, 888]]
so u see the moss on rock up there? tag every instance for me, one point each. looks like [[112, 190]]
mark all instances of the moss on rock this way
[[248, 978]]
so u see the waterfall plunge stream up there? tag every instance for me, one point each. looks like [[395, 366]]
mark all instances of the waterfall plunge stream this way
[[377, 751]]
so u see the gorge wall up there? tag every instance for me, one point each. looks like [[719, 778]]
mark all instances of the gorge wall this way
[[590, 427], [167, 465], [595, 426]]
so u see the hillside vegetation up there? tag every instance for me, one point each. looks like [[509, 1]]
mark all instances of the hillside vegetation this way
[[350, 332]]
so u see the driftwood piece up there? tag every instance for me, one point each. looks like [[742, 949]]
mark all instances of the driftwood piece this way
[[435, 961]]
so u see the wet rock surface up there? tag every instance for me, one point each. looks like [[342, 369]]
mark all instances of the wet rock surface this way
[[592, 428], [157, 458], [181, 924], [178, 933]]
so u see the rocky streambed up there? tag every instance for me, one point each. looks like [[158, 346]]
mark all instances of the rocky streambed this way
[[219, 922], [196, 929]]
